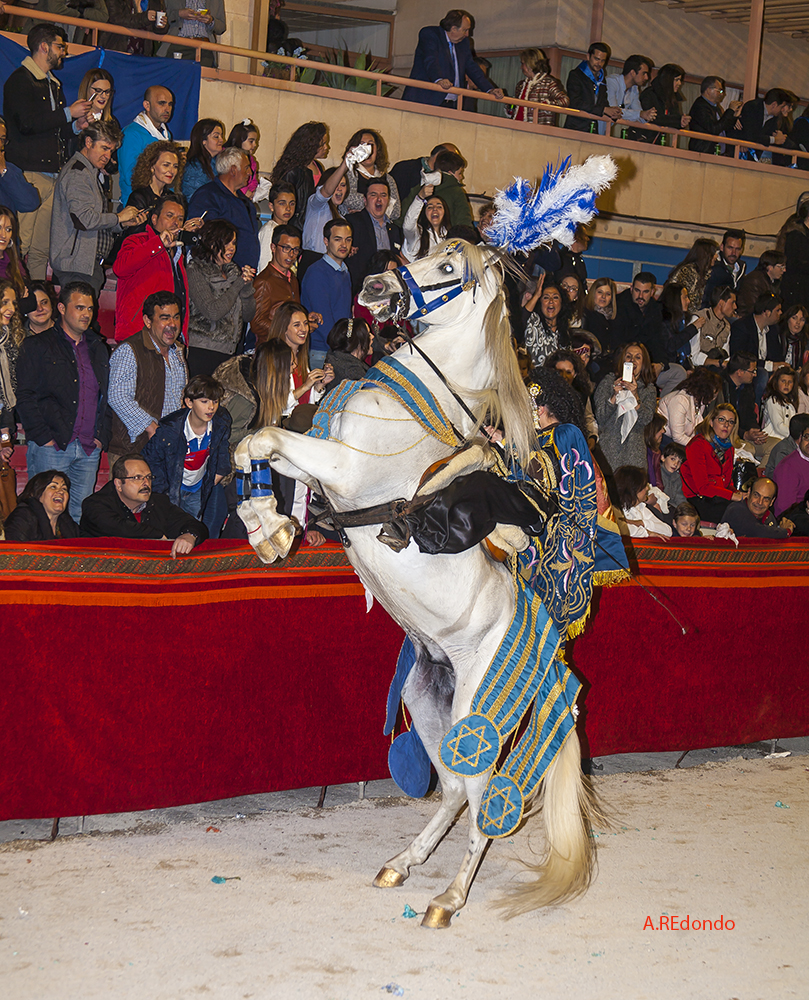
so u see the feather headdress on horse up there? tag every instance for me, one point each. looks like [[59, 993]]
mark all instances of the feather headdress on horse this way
[[527, 217]]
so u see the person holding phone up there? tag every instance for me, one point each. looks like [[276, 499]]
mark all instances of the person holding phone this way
[[203, 19], [624, 404]]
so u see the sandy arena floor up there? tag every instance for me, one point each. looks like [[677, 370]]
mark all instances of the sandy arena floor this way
[[136, 915]]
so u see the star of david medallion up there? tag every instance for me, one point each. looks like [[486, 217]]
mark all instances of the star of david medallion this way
[[471, 747], [501, 809]]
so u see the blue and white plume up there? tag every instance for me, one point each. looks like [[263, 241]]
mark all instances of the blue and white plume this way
[[528, 217]]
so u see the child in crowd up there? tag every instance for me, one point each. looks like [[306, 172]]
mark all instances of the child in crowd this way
[[282, 204], [685, 521], [653, 436], [642, 517], [188, 453], [780, 403], [671, 458]]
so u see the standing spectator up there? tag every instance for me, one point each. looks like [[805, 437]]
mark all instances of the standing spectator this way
[[764, 279], [708, 468], [694, 270], [600, 309], [639, 317], [685, 407], [82, 224], [664, 98], [62, 378], [762, 121], [90, 10], [623, 408], [245, 136], [451, 167], [299, 165], [40, 318], [282, 206], [147, 375], [623, 91], [277, 282], [795, 283], [150, 16], [11, 338], [444, 56], [729, 268], [222, 199], [372, 229], [222, 299], [758, 335], [793, 334], [791, 476], [98, 87], [40, 129], [713, 324], [149, 126], [750, 516], [587, 89], [151, 261], [374, 167], [571, 285], [407, 173], [327, 286], [203, 19], [15, 190], [207, 142], [537, 85], [324, 205], [156, 173], [708, 117], [545, 314]]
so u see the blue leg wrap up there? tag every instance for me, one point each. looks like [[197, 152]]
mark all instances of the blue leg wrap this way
[[261, 478]]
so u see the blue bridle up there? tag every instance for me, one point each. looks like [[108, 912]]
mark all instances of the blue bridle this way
[[421, 307]]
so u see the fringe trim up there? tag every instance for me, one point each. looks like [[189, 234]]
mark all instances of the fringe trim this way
[[609, 577]]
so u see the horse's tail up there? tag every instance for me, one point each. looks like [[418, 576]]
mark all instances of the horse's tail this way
[[568, 810]]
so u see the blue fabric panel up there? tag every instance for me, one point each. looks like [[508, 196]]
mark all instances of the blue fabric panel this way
[[409, 764], [407, 658]]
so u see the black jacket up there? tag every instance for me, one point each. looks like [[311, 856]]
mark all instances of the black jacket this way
[[365, 242], [633, 324], [104, 515], [585, 96], [165, 452], [795, 283], [744, 337], [754, 128], [707, 117], [721, 276], [407, 174], [39, 138], [29, 522], [48, 387], [743, 398]]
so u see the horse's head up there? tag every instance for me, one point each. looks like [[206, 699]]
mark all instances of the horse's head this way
[[432, 289]]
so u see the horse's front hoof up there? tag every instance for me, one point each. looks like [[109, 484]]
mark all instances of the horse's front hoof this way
[[437, 917], [389, 878]]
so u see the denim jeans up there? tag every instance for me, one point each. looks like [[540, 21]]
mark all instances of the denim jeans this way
[[191, 502], [74, 460]]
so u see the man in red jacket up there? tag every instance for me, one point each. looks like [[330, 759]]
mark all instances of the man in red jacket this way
[[151, 261]]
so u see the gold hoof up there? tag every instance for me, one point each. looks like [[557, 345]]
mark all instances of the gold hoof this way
[[389, 878], [436, 917]]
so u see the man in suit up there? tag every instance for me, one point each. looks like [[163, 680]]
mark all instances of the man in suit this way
[[757, 334], [444, 56], [372, 230], [707, 114]]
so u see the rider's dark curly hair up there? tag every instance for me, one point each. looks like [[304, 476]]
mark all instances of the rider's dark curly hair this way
[[561, 399]]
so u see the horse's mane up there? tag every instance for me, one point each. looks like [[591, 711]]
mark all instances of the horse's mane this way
[[507, 401]]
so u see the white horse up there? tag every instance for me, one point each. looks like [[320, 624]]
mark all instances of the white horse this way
[[455, 608]]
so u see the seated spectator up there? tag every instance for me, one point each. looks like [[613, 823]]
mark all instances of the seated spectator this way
[[686, 406], [14, 188], [374, 168], [671, 460], [451, 166], [11, 267], [207, 142], [623, 407], [792, 474], [587, 89], [282, 206], [189, 19], [245, 136], [757, 334], [147, 375], [407, 173], [601, 309], [623, 91], [372, 229], [797, 425], [222, 298], [571, 368], [149, 126], [653, 436], [638, 318], [708, 467], [708, 117], [188, 453], [587, 347], [684, 521], [793, 333], [571, 285], [803, 389], [277, 282], [299, 165], [664, 98], [42, 317], [751, 517], [639, 509], [779, 406], [150, 17], [349, 344], [11, 339], [729, 268], [156, 173], [545, 321], [41, 514], [148, 261], [713, 326], [763, 119], [764, 279], [426, 224], [716, 358], [694, 270], [126, 508], [678, 329], [62, 378], [537, 85], [83, 225], [324, 205], [326, 287], [222, 199], [798, 514]]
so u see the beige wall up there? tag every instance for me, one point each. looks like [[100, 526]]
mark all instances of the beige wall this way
[[650, 185]]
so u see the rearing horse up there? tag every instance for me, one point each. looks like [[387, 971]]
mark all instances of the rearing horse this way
[[455, 608]]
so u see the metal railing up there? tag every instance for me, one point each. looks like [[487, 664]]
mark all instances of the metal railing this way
[[382, 79]]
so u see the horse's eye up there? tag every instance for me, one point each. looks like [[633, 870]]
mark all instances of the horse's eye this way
[[447, 268]]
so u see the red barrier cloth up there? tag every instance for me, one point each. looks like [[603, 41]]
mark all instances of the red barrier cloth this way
[[132, 681]]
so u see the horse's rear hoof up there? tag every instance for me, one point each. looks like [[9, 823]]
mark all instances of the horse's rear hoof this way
[[389, 878], [436, 917]]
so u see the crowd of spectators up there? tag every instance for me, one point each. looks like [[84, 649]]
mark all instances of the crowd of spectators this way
[[695, 394]]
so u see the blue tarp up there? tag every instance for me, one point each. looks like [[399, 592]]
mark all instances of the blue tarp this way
[[132, 75]]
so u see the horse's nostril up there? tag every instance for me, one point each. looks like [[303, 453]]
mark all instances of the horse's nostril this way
[[377, 286]]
